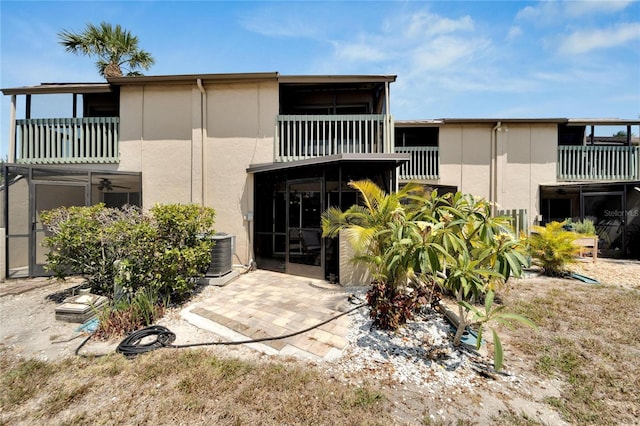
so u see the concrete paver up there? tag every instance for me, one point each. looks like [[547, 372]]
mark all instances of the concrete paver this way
[[269, 304]]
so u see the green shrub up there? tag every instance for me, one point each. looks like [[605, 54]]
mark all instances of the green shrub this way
[[130, 313], [165, 250], [389, 309], [552, 248], [585, 227], [412, 240]]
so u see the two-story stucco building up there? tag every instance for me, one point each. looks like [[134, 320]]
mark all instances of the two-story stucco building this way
[[551, 169], [270, 152]]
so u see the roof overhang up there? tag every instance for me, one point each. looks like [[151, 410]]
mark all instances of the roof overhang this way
[[418, 123], [63, 170], [323, 79], [59, 88], [602, 122], [191, 78], [587, 183], [396, 159], [556, 120], [502, 120]]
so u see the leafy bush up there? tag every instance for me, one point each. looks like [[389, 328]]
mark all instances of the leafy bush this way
[[390, 309], [130, 313], [585, 227], [552, 248], [412, 239], [165, 250]]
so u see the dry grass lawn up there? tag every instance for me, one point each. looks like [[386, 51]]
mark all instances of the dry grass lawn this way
[[588, 344], [590, 340], [180, 387]]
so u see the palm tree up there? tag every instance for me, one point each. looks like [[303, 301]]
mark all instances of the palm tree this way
[[366, 226], [115, 47]]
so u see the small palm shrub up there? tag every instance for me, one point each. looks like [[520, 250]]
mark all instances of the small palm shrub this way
[[552, 248], [413, 242]]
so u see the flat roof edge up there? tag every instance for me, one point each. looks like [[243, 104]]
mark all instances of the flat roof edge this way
[[337, 78], [59, 88], [556, 120], [266, 167], [190, 78]]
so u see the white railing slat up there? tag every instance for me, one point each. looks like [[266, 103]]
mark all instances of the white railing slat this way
[[67, 140], [307, 136], [589, 162]]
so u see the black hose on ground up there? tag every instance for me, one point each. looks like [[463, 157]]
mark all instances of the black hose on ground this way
[[132, 346]]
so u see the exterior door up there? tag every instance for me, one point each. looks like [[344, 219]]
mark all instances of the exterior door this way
[[47, 195], [608, 213], [305, 251]]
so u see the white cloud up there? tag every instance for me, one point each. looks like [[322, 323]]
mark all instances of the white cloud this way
[[557, 12], [425, 24], [277, 22], [543, 12], [422, 38], [444, 52], [580, 8], [514, 32], [584, 41], [359, 51]]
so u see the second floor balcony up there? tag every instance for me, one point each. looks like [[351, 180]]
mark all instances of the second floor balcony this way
[[67, 140], [424, 163], [299, 137], [598, 163]]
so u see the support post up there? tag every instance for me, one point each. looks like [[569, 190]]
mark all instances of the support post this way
[[12, 131]]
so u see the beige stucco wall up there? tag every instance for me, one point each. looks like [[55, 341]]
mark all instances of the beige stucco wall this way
[[524, 157], [465, 155], [155, 139], [240, 132], [531, 158], [195, 148]]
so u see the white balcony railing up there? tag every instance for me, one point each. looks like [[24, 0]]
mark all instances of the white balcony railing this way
[[67, 140], [424, 163], [598, 163], [307, 136]]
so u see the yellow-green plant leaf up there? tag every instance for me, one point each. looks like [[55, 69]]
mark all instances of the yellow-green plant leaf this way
[[498, 355]]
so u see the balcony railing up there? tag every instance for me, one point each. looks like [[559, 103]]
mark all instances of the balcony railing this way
[[67, 140], [424, 163], [307, 136], [598, 163]]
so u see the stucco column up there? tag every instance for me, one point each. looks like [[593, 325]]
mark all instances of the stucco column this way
[[12, 131], [501, 165], [196, 146]]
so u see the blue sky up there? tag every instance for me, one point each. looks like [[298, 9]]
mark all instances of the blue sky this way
[[507, 59]]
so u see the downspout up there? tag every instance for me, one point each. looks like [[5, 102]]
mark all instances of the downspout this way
[[203, 115], [493, 172]]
